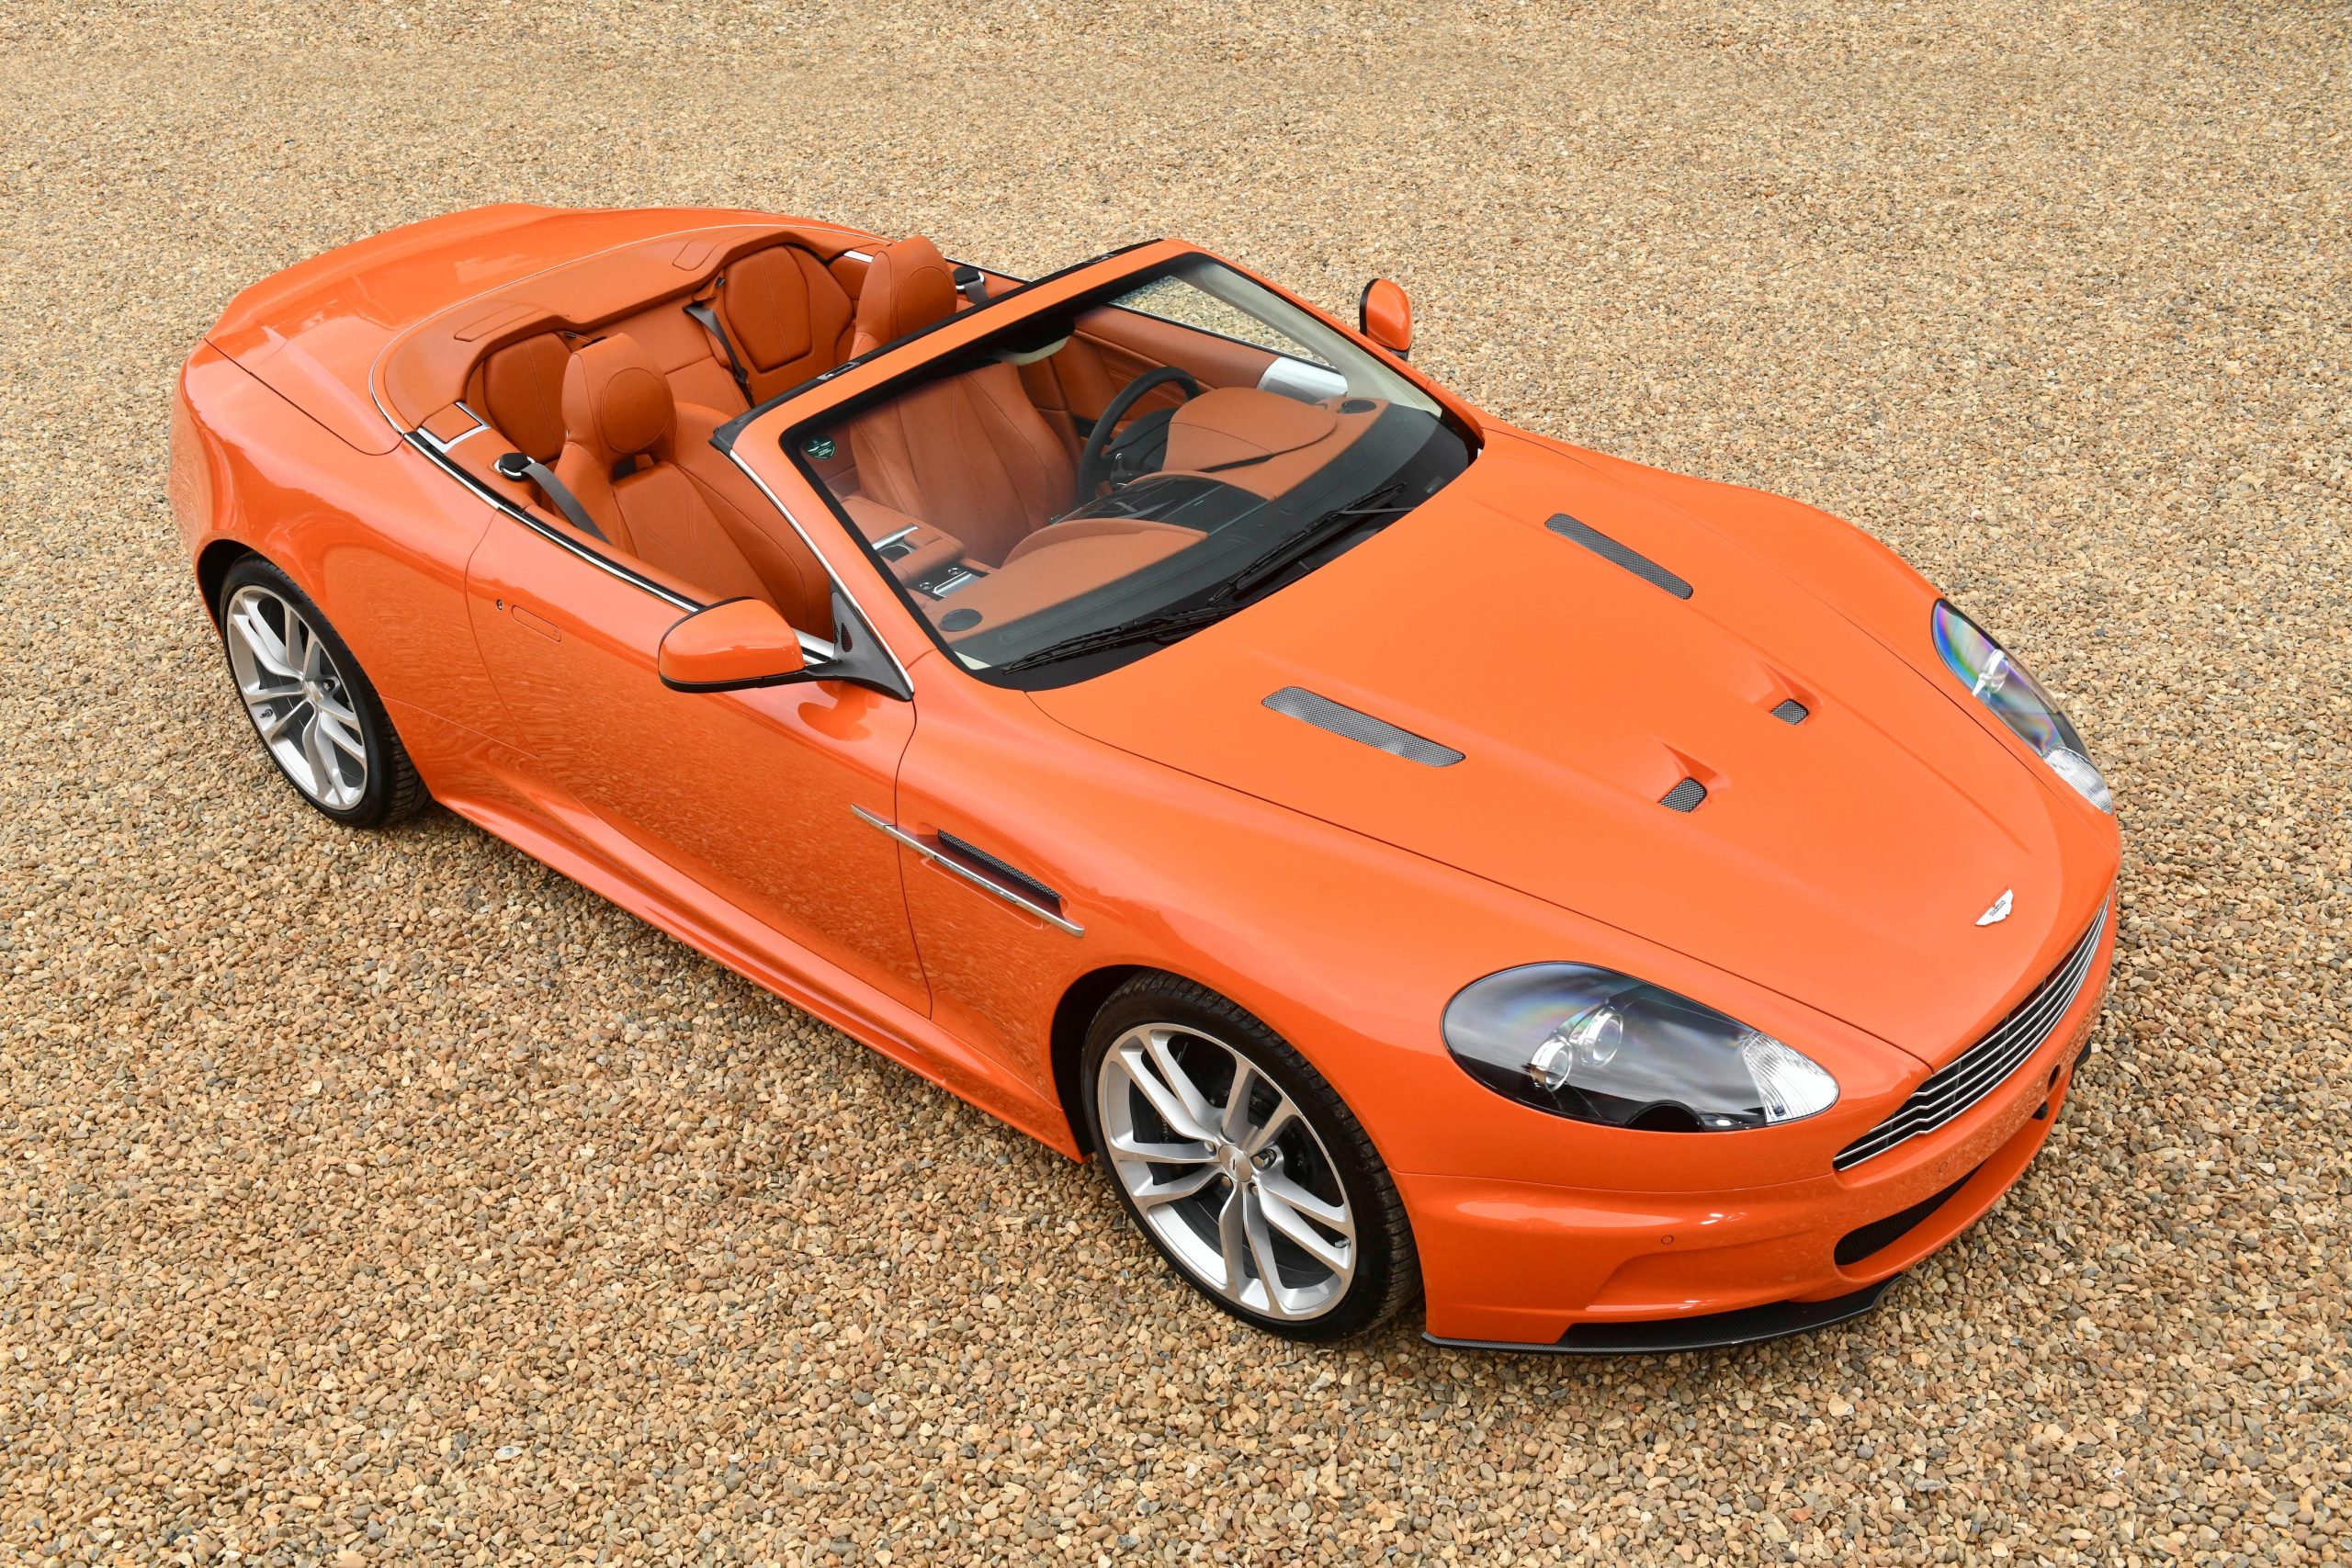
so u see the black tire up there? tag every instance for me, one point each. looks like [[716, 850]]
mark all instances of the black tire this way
[[392, 791], [1386, 1274]]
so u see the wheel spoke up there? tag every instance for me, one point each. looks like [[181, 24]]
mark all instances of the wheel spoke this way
[[1188, 1185], [1234, 1123], [1281, 1216], [338, 729], [1256, 1138], [278, 723], [1154, 1069], [314, 751], [267, 647], [1292, 1195], [1233, 1242], [1163, 1154], [1254, 1216]]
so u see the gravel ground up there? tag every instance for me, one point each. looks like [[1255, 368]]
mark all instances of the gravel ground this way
[[388, 1197]]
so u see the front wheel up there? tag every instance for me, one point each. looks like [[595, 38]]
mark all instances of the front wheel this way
[[1243, 1165], [316, 715]]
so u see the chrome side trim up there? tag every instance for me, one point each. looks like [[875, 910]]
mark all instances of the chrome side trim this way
[[948, 862], [816, 650]]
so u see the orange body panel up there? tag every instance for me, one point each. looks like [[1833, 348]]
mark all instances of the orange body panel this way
[[1824, 895]]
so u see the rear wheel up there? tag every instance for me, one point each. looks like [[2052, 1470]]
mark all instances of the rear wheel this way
[[316, 715], [1242, 1165]]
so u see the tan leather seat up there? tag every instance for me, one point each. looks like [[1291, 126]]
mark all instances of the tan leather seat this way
[[969, 454], [642, 467], [786, 316], [520, 389]]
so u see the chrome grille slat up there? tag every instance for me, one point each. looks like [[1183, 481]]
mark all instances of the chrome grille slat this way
[[1976, 1072], [1936, 1103]]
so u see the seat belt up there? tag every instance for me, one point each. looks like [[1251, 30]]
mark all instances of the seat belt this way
[[708, 319], [518, 467], [972, 284]]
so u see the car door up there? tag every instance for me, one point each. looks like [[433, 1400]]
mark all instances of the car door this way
[[749, 793]]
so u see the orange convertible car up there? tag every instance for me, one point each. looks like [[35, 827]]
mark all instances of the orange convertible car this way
[[1417, 856]]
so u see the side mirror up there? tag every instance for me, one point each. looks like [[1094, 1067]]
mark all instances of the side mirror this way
[[1385, 316], [730, 647]]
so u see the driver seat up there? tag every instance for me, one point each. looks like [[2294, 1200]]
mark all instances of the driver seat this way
[[969, 454]]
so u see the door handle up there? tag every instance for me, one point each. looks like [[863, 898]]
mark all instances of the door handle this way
[[546, 628], [982, 870]]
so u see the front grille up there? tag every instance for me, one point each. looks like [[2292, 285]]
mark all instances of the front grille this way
[[1986, 1065]]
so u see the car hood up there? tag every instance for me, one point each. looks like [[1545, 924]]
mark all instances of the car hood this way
[[1843, 860]]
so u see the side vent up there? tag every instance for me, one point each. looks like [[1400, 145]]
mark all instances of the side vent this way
[[1299, 703], [1610, 550], [1792, 712], [1684, 796]]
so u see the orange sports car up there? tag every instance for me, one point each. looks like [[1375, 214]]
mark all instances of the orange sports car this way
[[1417, 856]]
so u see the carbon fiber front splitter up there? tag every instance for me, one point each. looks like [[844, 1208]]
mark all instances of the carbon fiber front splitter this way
[[1711, 1331]]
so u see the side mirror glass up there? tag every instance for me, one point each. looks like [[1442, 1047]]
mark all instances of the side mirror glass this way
[[1385, 316], [730, 647]]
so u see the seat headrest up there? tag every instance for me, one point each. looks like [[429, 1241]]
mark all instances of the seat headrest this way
[[908, 287], [617, 402], [522, 393]]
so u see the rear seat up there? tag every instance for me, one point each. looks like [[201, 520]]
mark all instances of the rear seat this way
[[785, 318], [520, 390]]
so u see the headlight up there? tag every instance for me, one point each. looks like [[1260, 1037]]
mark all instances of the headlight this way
[[2001, 683], [1595, 1045]]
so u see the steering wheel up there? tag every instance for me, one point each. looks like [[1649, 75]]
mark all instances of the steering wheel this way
[[1094, 463]]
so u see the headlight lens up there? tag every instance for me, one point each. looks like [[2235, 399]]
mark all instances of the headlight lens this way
[[2001, 683], [1595, 1045]]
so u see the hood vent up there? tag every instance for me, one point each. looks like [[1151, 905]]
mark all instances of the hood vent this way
[[1792, 712], [1684, 796], [1379, 734], [1610, 550]]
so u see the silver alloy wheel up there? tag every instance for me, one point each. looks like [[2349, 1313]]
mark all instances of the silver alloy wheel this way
[[1225, 1171], [297, 697]]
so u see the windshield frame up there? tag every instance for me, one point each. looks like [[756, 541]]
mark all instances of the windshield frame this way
[[775, 430]]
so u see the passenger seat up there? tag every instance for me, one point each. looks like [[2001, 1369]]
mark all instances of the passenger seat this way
[[641, 465], [969, 454]]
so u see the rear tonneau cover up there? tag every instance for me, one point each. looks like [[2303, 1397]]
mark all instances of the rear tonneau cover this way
[[314, 331]]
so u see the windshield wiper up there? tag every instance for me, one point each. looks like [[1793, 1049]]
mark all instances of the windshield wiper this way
[[1329, 529], [1148, 628]]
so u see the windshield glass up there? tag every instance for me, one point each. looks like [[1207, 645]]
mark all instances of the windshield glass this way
[[1094, 482]]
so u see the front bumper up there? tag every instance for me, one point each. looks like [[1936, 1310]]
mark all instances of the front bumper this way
[[1525, 1267]]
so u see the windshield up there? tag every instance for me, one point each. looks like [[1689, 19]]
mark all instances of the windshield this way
[[1094, 482]]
